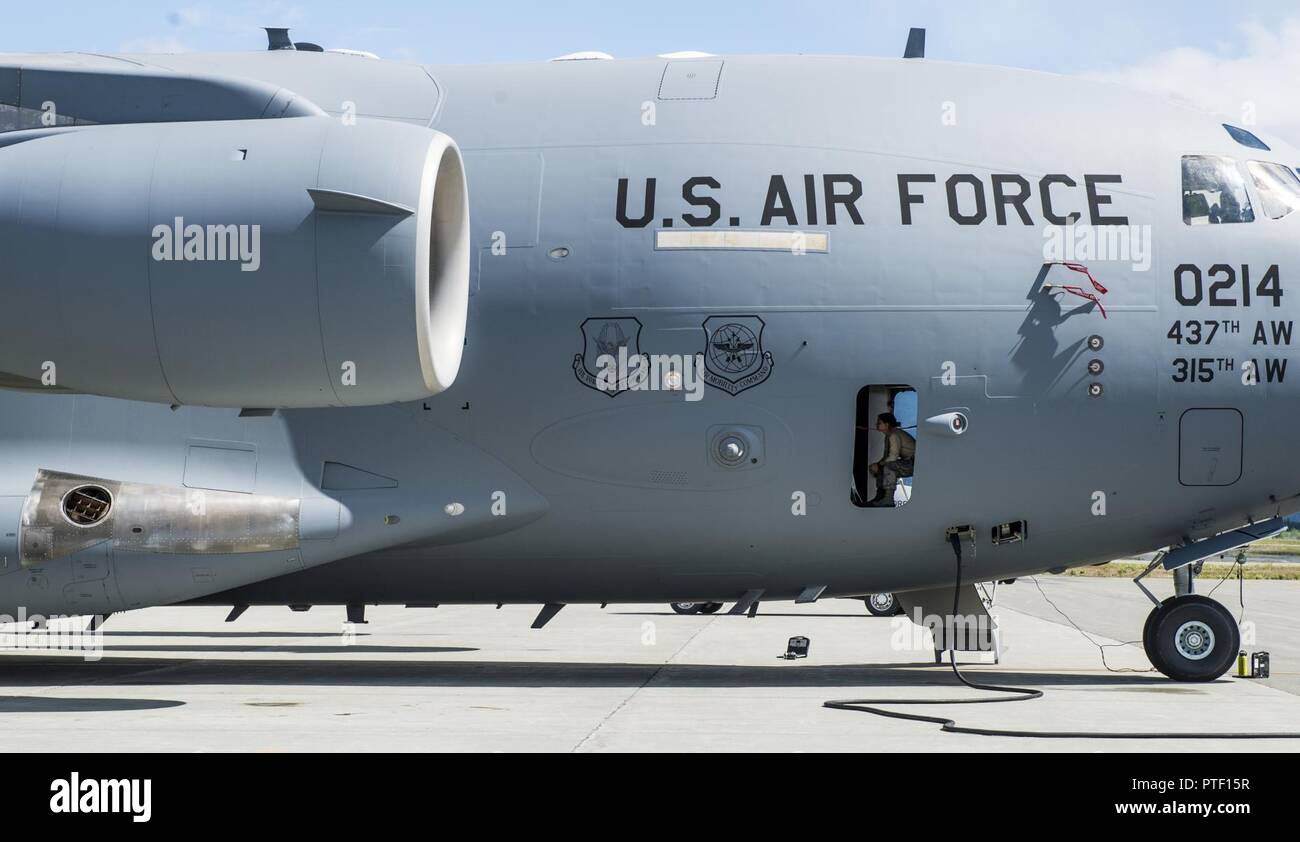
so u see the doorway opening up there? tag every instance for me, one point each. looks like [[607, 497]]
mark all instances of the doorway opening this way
[[884, 447]]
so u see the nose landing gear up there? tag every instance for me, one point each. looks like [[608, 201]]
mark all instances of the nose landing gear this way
[[1189, 637]]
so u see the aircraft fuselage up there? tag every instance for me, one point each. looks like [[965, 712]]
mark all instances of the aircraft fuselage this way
[[804, 228]]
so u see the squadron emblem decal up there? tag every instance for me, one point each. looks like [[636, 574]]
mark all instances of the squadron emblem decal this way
[[607, 363], [734, 359]]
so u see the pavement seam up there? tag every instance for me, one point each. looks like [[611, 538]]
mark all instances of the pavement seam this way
[[607, 717]]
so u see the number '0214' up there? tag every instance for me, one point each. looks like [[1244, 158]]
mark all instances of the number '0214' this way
[[1225, 286]]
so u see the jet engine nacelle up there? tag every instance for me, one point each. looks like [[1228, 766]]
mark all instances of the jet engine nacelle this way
[[288, 263]]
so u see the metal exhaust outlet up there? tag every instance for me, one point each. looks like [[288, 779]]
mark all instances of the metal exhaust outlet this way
[[66, 514]]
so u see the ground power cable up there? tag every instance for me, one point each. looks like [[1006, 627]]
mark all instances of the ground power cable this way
[[1100, 647], [1018, 694], [1238, 567]]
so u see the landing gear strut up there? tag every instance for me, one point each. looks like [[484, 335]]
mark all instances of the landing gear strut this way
[[1189, 637]]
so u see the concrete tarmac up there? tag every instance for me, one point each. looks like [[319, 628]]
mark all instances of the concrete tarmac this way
[[1116, 609], [623, 679]]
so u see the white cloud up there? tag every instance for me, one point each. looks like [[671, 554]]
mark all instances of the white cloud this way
[[1254, 86]]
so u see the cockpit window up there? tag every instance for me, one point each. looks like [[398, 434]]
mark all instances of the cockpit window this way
[[1246, 138], [1277, 187], [1214, 193]]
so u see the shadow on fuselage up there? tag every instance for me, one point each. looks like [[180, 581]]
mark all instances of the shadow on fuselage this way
[[1038, 355]]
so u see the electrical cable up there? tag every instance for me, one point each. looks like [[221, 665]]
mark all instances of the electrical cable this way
[[1239, 567], [1100, 647], [1241, 593], [1020, 694], [1226, 577]]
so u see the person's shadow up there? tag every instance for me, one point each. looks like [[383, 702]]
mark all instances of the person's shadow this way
[[1037, 356]]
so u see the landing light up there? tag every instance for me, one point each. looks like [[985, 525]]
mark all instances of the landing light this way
[[731, 450], [954, 424]]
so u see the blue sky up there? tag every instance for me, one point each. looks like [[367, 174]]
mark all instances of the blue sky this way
[[1040, 34]]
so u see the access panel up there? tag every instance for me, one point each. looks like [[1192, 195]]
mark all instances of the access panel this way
[[1210, 447]]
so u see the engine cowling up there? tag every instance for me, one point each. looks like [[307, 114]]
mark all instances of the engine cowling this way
[[288, 263]]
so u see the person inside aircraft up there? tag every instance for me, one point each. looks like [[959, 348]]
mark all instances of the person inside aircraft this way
[[1195, 206], [898, 462], [1229, 209], [1214, 193]]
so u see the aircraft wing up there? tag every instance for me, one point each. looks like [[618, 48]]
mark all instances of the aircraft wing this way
[[43, 91]]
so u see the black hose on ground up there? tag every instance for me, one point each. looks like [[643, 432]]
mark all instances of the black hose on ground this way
[[1018, 694]]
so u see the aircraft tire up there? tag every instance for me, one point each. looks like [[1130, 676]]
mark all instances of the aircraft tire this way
[[711, 608], [1148, 641], [883, 605], [1193, 639], [687, 608]]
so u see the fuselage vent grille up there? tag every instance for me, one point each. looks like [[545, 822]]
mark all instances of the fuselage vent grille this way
[[669, 478]]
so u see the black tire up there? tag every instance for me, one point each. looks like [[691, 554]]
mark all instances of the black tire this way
[[1193, 639], [1148, 635], [711, 608], [687, 607], [883, 605]]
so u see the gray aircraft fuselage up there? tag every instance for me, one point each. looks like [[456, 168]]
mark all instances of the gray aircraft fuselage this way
[[866, 223]]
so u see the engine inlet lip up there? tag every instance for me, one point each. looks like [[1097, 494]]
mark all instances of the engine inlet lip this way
[[97, 492]]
